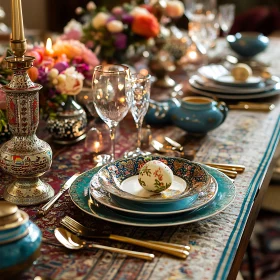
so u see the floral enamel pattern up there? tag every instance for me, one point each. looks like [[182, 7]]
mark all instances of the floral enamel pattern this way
[[155, 176], [112, 175]]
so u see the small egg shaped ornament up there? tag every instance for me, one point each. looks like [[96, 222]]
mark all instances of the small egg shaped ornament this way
[[155, 176]]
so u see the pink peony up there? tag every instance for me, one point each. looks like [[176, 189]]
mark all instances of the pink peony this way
[[73, 49]]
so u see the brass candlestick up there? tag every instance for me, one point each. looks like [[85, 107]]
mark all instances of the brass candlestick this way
[[25, 156]]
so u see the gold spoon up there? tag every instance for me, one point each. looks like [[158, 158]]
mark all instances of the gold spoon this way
[[73, 242]]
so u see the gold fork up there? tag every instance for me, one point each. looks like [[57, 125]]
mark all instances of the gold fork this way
[[177, 250]]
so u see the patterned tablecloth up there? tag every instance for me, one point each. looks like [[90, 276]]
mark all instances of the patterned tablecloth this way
[[248, 138]]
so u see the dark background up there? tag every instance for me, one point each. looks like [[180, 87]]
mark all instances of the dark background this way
[[251, 15]]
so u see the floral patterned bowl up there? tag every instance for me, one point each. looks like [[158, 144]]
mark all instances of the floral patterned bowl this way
[[121, 179]]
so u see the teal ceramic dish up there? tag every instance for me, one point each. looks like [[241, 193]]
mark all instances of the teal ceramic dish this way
[[158, 112], [20, 243], [225, 196], [198, 115], [120, 179], [248, 44]]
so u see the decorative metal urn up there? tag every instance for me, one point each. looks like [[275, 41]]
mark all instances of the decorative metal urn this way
[[25, 156], [69, 124]]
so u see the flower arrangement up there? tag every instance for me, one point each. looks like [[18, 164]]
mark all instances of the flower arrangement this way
[[61, 69], [113, 33]]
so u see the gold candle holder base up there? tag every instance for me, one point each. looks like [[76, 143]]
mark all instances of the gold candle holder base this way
[[28, 191]]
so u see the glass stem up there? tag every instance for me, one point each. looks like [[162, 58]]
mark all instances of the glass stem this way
[[113, 136], [139, 132]]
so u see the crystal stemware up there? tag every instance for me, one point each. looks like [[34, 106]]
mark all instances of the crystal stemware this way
[[141, 85], [226, 17], [112, 96], [200, 10]]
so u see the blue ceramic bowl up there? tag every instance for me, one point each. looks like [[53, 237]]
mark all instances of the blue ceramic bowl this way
[[248, 44]]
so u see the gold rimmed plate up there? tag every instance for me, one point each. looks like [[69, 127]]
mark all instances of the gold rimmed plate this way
[[120, 180]]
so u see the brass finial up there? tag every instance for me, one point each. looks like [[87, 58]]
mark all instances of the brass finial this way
[[18, 41]]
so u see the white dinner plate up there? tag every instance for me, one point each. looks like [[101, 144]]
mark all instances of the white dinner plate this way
[[204, 84], [231, 96], [228, 80]]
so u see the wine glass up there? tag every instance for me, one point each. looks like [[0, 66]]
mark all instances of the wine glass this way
[[204, 34], [226, 17], [141, 85], [112, 96], [200, 10]]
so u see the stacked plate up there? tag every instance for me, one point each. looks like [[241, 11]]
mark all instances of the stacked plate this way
[[216, 81], [114, 193]]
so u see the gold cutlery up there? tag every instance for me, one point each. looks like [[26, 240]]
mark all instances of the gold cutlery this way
[[230, 170], [165, 149], [174, 143], [233, 167], [71, 241], [180, 251], [44, 209], [249, 106]]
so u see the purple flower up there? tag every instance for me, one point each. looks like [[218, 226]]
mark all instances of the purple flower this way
[[43, 76], [61, 66], [120, 41], [111, 18], [127, 18]]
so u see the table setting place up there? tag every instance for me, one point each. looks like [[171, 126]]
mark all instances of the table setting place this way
[[117, 184]]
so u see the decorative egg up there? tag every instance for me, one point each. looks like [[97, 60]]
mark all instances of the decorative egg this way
[[241, 72], [155, 176]]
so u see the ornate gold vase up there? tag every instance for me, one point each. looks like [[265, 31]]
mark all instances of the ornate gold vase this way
[[25, 156]]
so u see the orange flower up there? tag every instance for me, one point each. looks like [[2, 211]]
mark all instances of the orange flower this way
[[33, 73], [145, 25]]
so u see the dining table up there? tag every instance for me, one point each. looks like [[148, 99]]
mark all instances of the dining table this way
[[218, 242]]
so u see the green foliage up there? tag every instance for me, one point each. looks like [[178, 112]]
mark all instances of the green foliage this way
[[3, 120]]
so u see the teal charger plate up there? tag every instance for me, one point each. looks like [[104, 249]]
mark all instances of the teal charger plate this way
[[79, 193]]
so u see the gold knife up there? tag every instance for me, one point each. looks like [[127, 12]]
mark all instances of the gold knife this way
[[233, 167], [252, 107], [44, 209]]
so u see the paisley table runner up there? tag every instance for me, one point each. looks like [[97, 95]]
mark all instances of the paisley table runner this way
[[247, 138]]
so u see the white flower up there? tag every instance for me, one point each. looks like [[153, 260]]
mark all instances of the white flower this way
[[100, 20], [53, 73], [73, 25], [174, 8], [115, 26], [70, 82], [91, 6], [139, 11]]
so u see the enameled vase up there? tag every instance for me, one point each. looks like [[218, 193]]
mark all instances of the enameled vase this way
[[25, 156]]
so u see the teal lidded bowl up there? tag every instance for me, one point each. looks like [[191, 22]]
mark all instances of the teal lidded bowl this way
[[248, 44], [158, 112], [20, 241], [198, 115]]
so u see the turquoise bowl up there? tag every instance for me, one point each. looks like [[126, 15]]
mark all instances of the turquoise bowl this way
[[248, 44], [20, 243], [198, 115], [158, 112]]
